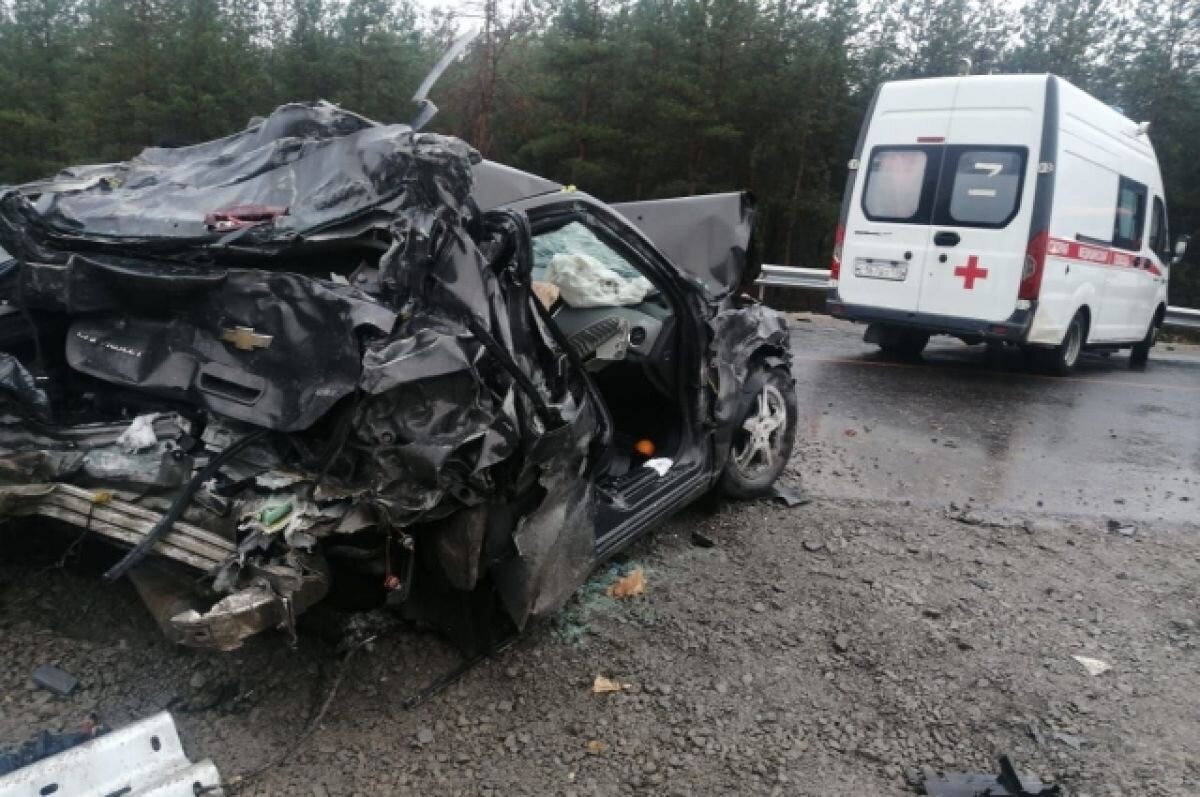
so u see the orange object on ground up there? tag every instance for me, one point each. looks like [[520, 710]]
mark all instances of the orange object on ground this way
[[644, 447]]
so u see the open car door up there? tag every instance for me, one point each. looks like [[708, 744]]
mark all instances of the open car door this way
[[708, 236]]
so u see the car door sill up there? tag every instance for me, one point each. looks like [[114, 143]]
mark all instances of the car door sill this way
[[681, 491]]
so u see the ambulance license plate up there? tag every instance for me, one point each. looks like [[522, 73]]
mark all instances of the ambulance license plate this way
[[881, 269]]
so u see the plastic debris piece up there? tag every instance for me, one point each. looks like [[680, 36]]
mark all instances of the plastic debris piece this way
[[660, 465], [597, 746], [632, 584], [604, 686], [139, 435], [1006, 784], [101, 497], [1071, 740], [1093, 666], [58, 681], [702, 540], [273, 514], [788, 496], [546, 293]]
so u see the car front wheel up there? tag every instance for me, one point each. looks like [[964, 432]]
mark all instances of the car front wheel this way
[[763, 440]]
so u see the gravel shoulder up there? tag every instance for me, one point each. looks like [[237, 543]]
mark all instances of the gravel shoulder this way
[[827, 649]]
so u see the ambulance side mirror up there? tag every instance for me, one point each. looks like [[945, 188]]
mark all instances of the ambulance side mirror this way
[[1181, 245]]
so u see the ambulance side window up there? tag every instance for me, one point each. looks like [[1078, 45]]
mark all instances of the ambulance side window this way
[[900, 184], [1160, 239], [1131, 215], [981, 187]]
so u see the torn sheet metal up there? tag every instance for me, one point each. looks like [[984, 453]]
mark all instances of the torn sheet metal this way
[[139, 760], [741, 333], [19, 391], [708, 236]]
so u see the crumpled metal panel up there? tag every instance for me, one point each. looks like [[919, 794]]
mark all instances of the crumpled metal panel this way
[[19, 390], [308, 359], [145, 759], [739, 334]]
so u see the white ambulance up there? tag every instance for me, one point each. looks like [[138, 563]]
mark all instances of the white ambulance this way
[[1009, 208]]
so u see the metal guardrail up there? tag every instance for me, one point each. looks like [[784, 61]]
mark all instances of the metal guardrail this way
[[145, 758], [1184, 317], [817, 279], [791, 277]]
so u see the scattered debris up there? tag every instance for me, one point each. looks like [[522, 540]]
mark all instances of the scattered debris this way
[[1035, 732], [851, 433], [1093, 666], [632, 584], [812, 546], [1123, 529], [841, 643], [58, 681], [1006, 784], [1071, 740], [702, 540], [645, 447], [604, 686], [788, 497], [660, 465], [597, 746]]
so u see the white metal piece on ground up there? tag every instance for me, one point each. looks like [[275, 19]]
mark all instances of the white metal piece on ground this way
[[144, 759]]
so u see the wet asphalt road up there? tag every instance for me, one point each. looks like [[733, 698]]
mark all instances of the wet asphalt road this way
[[958, 426]]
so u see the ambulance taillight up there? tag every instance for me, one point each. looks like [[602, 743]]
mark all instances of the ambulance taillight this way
[[1035, 261], [835, 264]]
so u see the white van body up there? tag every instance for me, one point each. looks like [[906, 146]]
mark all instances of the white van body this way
[[1001, 207]]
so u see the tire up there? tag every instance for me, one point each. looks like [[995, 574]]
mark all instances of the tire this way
[[754, 464], [908, 345], [1063, 358], [1140, 353]]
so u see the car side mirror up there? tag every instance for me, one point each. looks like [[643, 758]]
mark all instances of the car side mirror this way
[[1181, 245]]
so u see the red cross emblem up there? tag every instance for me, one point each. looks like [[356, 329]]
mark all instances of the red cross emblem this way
[[971, 272]]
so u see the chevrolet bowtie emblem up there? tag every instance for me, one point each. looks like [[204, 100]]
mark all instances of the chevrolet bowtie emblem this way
[[245, 338]]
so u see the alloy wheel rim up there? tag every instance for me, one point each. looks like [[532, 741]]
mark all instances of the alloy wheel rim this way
[[760, 439]]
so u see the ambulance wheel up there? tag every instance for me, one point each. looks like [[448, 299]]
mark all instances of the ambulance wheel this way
[[1062, 358], [763, 439], [906, 345], [1140, 353]]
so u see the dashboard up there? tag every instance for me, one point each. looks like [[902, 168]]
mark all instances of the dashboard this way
[[646, 320]]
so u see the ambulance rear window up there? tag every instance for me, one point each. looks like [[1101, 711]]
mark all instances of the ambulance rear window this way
[[899, 184], [981, 187]]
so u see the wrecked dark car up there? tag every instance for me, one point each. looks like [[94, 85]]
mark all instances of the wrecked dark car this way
[[329, 359]]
